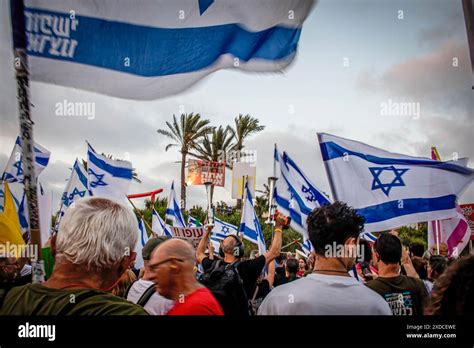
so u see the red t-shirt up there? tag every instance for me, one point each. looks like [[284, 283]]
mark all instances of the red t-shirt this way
[[200, 302]]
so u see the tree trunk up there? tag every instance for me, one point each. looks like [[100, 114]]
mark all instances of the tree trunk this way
[[183, 180]]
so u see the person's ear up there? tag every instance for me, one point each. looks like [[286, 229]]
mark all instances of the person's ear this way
[[174, 267], [127, 262]]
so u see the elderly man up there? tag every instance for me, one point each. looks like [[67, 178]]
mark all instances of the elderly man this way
[[173, 266], [92, 251]]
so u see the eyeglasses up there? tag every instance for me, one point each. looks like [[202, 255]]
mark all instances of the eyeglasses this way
[[155, 266]]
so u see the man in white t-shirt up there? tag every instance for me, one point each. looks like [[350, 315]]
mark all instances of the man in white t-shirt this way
[[142, 291], [334, 232]]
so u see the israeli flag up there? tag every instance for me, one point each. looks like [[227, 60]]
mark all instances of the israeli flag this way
[[21, 208], [142, 239], [388, 189], [76, 188], [216, 243], [370, 237], [14, 169], [106, 177], [158, 225], [193, 222], [307, 247], [222, 229], [295, 195], [173, 211], [249, 224], [146, 49]]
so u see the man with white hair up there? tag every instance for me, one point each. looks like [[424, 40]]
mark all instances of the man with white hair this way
[[93, 250]]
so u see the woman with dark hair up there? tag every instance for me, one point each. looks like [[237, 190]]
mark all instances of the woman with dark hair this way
[[453, 293], [302, 267]]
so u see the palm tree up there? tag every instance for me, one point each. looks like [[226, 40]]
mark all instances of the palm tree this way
[[186, 134], [215, 148], [245, 126]]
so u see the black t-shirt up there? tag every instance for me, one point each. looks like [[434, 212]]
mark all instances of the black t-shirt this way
[[263, 289], [249, 271], [405, 295]]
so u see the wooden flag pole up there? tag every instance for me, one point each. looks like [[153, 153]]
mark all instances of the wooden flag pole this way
[[26, 133]]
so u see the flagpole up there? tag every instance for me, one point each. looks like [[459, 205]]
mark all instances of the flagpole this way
[[468, 17], [331, 184], [26, 133], [141, 215]]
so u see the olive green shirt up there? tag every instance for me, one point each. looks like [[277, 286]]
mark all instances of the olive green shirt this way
[[36, 299]]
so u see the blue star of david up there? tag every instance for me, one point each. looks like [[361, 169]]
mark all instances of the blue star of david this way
[[76, 192], [19, 168], [99, 178], [386, 187], [309, 198], [225, 229]]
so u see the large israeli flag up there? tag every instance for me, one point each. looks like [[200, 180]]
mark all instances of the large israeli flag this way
[[142, 239], [249, 224], [106, 177], [392, 190], [158, 225], [222, 229], [295, 195], [14, 169], [173, 211], [148, 49], [76, 188]]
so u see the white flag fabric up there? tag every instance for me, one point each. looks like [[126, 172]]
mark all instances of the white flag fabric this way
[[76, 188], [249, 224], [173, 211], [391, 190], [107, 178], [454, 232], [158, 225], [145, 49], [14, 169], [142, 239]]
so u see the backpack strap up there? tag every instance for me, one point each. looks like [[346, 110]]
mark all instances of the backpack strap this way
[[142, 301], [125, 295], [255, 293]]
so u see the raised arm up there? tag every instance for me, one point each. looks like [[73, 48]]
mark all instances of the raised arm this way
[[271, 273], [201, 248], [275, 248]]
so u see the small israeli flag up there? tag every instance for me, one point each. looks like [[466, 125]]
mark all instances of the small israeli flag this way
[[193, 222], [222, 229], [106, 177], [173, 211], [391, 190], [249, 224], [158, 225], [14, 169], [76, 188], [142, 239]]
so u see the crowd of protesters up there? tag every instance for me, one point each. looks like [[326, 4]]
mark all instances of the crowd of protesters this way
[[94, 272]]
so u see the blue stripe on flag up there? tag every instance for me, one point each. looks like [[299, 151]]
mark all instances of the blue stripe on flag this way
[[112, 170], [104, 43], [80, 174], [331, 150], [392, 209]]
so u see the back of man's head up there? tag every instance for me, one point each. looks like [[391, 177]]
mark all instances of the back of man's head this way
[[333, 223], [229, 244], [151, 245], [389, 248], [417, 249], [96, 233], [292, 266]]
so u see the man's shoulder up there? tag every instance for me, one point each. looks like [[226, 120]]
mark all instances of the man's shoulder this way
[[102, 303], [258, 261]]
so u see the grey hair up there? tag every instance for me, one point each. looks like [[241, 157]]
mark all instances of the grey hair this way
[[96, 232]]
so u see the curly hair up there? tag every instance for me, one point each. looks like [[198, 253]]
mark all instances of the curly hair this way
[[453, 291], [333, 223]]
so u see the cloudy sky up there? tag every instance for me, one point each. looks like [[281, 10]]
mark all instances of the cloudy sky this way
[[353, 57]]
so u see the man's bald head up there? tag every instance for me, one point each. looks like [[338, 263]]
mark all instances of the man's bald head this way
[[175, 248]]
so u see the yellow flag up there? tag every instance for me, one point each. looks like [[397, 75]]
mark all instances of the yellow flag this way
[[10, 230]]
